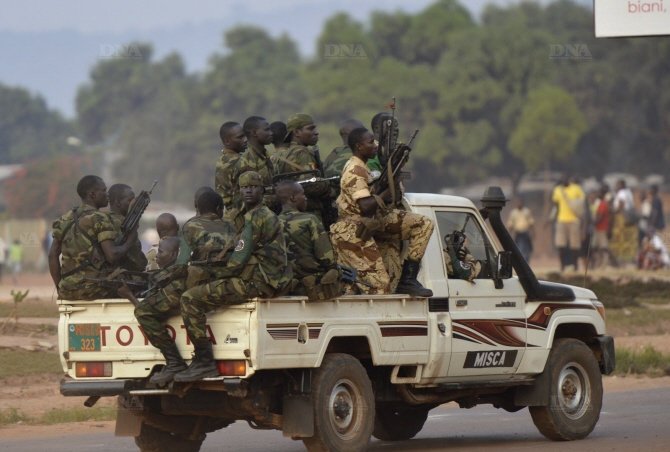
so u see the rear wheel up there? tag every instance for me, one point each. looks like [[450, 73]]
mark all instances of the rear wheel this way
[[398, 422], [152, 439], [575, 393], [344, 409]]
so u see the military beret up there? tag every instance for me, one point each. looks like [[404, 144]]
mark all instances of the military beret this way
[[250, 178], [297, 121]]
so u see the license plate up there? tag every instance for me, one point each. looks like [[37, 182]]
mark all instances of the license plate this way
[[84, 337]]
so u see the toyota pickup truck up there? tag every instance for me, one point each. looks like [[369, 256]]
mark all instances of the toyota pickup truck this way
[[334, 373]]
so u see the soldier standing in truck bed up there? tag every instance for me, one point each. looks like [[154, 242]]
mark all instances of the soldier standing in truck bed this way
[[225, 176], [256, 158], [83, 245]]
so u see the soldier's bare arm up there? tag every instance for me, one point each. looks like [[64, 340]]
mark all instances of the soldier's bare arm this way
[[114, 253]]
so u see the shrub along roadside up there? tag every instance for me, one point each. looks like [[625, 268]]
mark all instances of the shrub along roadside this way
[[58, 416], [647, 361]]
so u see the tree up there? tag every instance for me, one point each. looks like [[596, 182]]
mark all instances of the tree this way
[[28, 129], [549, 128]]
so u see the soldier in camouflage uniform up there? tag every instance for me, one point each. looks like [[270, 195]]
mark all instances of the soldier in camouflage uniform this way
[[167, 226], [467, 267], [162, 302], [85, 237], [279, 144], [225, 176], [120, 197], [207, 236], [364, 218], [310, 253], [303, 155], [257, 268], [336, 160], [257, 159]]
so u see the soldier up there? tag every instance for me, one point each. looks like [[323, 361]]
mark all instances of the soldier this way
[[207, 235], [225, 176], [85, 238], [256, 158], [340, 155], [279, 132], [167, 226], [120, 197], [257, 268], [303, 155], [162, 302], [364, 216], [309, 250], [467, 267]]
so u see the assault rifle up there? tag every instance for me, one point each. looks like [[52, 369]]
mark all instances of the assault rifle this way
[[137, 281], [391, 171], [132, 219], [328, 212]]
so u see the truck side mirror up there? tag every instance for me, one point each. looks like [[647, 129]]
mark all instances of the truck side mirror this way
[[504, 265]]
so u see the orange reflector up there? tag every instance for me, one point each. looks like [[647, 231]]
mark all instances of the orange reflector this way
[[93, 369], [235, 368]]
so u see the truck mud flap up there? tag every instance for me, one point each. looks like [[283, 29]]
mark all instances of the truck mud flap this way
[[101, 388], [298, 416], [607, 359]]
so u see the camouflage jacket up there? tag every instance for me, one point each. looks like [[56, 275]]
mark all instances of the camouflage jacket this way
[[81, 255], [354, 185], [308, 245], [257, 159], [167, 285], [296, 158], [260, 255], [207, 235], [334, 163], [225, 182], [182, 258], [134, 260]]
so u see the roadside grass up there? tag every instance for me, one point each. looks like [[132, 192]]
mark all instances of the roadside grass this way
[[58, 416], [637, 321], [647, 361], [23, 362], [31, 308]]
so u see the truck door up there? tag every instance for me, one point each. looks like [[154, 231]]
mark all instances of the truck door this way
[[488, 323]]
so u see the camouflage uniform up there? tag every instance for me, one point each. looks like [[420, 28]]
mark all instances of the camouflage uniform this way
[[162, 303], [206, 235], [257, 268], [336, 160], [257, 159], [467, 269], [134, 260], [225, 183], [311, 255], [182, 258], [391, 224], [81, 255]]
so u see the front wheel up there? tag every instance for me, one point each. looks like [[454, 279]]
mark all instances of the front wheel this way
[[344, 407], [575, 393]]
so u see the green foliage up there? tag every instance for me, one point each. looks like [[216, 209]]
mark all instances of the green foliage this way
[[11, 415], [28, 129], [60, 416], [548, 129], [647, 361], [22, 362]]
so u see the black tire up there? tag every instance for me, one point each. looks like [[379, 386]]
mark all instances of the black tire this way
[[575, 393], [398, 422], [152, 439], [344, 406]]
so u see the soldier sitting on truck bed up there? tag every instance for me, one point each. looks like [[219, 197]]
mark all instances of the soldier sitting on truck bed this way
[[120, 198], [310, 253], [85, 238], [364, 218], [160, 303], [257, 268]]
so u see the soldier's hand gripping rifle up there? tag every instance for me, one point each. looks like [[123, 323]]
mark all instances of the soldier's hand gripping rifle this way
[[389, 178], [132, 219]]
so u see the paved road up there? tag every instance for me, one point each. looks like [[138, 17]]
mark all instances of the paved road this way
[[633, 420]]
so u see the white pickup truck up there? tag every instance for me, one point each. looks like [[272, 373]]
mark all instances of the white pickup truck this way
[[334, 373]]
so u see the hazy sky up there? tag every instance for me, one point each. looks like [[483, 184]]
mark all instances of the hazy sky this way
[[49, 46]]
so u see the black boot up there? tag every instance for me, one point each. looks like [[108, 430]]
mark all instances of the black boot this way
[[174, 364], [408, 282], [202, 366]]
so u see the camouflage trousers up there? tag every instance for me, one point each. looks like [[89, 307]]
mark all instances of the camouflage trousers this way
[[152, 315], [75, 287], [367, 256], [196, 302]]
